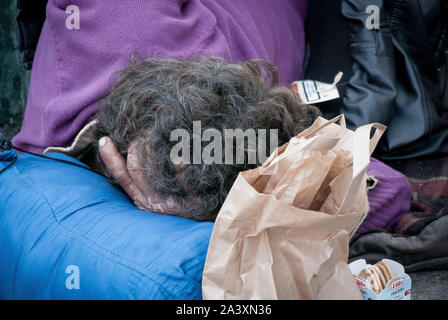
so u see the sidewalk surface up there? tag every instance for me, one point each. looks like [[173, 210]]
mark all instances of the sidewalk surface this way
[[429, 285]]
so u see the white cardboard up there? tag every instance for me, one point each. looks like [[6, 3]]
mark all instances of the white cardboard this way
[[397, 288]]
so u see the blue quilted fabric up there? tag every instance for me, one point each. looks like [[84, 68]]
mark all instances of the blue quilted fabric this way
[[67, 233]]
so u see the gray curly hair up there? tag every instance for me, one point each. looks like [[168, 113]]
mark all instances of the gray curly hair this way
[[152, 98]]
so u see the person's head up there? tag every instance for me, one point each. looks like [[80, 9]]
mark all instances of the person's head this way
[[153, 99]]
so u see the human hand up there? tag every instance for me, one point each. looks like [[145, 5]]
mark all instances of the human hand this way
[[128, 174]]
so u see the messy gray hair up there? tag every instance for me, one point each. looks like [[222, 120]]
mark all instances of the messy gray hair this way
[[152, 98]]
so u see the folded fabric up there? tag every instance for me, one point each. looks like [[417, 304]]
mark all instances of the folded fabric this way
[[424, 251], [67, 233], [419, 239]]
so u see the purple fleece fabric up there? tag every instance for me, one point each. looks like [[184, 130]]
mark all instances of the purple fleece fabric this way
[[73, 69], [389, 200]]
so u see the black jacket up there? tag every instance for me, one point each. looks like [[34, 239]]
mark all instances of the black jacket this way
[[395, 75]]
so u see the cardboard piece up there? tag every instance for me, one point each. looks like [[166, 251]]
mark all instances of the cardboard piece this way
[[397, 288]]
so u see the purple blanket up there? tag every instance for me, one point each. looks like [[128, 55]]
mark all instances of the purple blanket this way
[[389, 198], [73, 68]]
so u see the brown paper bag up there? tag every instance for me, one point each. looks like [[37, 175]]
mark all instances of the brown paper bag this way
[[283, 230]]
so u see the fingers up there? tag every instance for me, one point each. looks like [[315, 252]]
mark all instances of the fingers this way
[[129, 175], [153, 202], [117, 167], [133, 168]]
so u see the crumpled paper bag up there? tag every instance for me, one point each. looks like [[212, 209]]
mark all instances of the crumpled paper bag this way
[[283, 231]]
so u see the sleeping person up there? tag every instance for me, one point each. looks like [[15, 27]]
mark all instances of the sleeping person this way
[[124, 126], [154, 99], [159, 104]]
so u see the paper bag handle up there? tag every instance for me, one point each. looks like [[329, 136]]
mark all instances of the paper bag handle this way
[[361, 157], [380, 128], [315, 127], [311, 130]]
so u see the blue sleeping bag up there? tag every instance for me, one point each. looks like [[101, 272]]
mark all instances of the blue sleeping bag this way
[[67, 233]]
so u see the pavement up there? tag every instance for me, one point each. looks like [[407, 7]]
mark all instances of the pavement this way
[[429, 285]]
